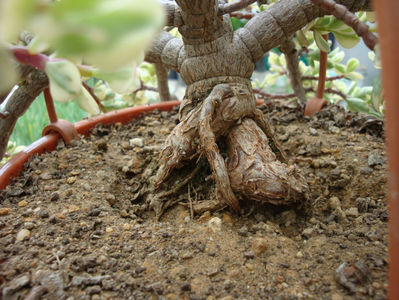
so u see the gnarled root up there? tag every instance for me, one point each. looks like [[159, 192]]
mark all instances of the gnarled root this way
[[254, 171]]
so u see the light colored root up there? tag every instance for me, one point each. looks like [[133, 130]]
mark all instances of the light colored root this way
[[255, 173], [211, 150]]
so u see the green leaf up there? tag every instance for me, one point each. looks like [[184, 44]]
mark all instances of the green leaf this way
[[86, 102], [371, 16], [347, 40], [106, 33], [321, 42], [237, 23], [356, 104], [352, 65], [303, 41], [64, 78], [377, 96], [121, 81], [340, 68], [8, 73], [354, 76]]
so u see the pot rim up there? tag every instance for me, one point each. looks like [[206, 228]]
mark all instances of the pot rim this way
[[13, 167]]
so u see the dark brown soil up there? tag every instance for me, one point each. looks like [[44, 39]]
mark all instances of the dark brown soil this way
[[75, 225]]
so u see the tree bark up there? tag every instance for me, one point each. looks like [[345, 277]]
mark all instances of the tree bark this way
[[19, 102]]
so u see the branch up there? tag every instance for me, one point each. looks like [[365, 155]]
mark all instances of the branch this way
[[270, 28], [242, 15], [341, 12], [162, 79], [327, 79], [233, 6], [18, 103], [166, 49], [144, 87], [293, 95], [91, 92], [294, 74]]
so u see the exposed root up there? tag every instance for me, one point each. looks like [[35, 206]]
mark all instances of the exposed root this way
[[252, 170]]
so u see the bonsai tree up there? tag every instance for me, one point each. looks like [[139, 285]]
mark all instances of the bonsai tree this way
[[216, 64], [219, 106]]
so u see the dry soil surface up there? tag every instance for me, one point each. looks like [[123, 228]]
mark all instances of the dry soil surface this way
[[76, 226]]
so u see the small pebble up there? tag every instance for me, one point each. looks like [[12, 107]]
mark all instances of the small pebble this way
[[109, 229], [71, 180], [23, 234], [136, 142], [215, 224], [22, 203], [4, 211], [126, 227]]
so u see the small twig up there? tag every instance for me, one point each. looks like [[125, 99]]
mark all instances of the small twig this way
[[91, 92], [144, 87], [191, 203], [289, 96], [242, 15], [58, 259], [233, 6], [327, 79]]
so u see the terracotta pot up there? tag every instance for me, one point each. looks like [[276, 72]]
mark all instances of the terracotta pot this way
[[48, 142], [387, 15]]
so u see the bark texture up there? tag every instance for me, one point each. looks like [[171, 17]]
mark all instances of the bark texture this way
[[219, 104], [19, 102]]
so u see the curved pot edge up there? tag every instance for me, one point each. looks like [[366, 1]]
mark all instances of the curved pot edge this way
[[48, 143]]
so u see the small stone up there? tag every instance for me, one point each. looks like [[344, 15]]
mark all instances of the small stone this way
[[375, 159], [55, 196], [110, 199], [215, 224], [313, 131], [95, 289], [29, 225], [250, 267], [22, 203], [334, 203], [249, 254], [365, 170], [227, 298], [136, 142], [126, 227], [186, 287], [23, 234], [299, 254], [334, 129], [243, 231], [259, 245], [227, 219], [4, 211], [352, 212], [44, 214], [205, 217], [14, 286], [336, 297], [308, 232], [109, 229], [71, 180]]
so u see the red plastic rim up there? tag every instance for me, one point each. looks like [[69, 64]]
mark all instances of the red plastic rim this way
[[15, 165]]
